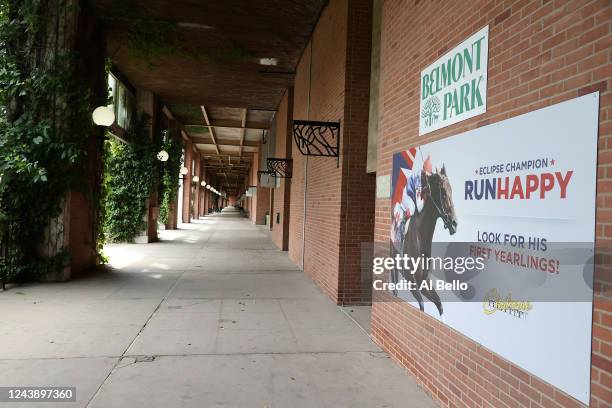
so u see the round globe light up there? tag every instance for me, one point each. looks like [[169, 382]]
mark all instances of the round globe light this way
[[103, 116], [208, 187], [196, 179], [162, 156], [184, 170], [203, 184]]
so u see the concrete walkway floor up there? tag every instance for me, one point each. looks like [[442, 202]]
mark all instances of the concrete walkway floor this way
[[212, 316]]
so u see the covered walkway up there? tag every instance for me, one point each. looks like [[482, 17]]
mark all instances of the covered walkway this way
[[212, 315], [328, 123]]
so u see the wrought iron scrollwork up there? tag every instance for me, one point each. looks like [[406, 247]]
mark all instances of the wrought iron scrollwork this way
[[317, 138], [281, 167]]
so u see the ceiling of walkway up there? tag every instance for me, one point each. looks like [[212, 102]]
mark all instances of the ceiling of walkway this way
[[221, 67], [208, 52]]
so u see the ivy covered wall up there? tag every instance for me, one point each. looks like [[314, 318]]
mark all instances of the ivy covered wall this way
[[47, 91], [129, 178]]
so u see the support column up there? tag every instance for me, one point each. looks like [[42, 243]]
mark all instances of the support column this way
[[332, 205], [83, 224], [358, 191], [202, 190], [172, 224], [253, 182], [197, 187], [262, 196], [145, 108], [75, 228], [187, 182], [206, 198], [282, 195]]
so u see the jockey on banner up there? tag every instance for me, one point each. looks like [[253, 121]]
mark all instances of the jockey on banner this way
[[412, 200]]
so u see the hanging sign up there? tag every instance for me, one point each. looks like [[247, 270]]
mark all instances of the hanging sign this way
[[267, 180], [251, 192], [454, 88]]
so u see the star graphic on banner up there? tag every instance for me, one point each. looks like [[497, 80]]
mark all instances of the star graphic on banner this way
[[552, 162]]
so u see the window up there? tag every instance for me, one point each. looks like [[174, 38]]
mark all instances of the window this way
[[123, 101]]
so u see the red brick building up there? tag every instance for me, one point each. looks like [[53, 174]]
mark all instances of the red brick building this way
[[540, 53]]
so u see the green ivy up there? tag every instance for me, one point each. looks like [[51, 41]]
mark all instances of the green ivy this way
[[170, 176], [128, 182], [45, 127], [103, 190]]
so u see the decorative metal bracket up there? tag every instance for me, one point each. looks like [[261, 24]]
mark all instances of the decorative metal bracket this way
[[317, 138], [281, 167]]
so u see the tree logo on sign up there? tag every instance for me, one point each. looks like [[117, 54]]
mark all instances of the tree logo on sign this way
[[430, 111]]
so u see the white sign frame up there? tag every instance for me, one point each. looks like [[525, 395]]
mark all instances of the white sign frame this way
[[455, 93]]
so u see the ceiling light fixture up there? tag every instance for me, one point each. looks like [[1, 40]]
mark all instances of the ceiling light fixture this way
[[196, 179], [268, 62]]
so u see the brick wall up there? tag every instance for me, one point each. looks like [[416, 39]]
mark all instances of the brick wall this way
[[358, 187], [282, 194], [333, 85], [197, 188], [322, 229], [541, 53], [252, 201], [296, 207], [261, 200], [263, 204]]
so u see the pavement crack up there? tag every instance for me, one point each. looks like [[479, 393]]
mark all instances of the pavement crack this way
[[116, 366]]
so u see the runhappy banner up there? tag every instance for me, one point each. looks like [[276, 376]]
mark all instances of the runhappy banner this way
[[519, 194]]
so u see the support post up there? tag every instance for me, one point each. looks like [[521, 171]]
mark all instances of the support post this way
[[187, 182]]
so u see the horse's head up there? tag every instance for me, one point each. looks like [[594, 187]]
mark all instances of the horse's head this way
[[441, 194]]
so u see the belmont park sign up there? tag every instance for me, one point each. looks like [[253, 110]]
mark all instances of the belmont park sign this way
[[454, 88]]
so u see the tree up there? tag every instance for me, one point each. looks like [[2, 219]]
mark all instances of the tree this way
[[430, 111]]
